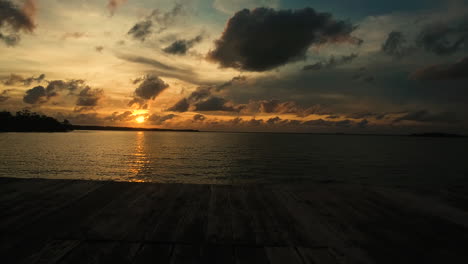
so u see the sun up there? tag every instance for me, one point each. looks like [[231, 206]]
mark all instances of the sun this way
[[140, 119]]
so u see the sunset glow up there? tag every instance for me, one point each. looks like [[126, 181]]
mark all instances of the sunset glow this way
[[197, 65], [140, 119]]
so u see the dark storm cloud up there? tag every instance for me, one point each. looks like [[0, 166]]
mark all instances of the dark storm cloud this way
[[116, 117], [396, 45], [16, 79], [161, 20], [360, 115], [141, 30], [112, 5], [75, 35], [14, 19], [199, 117], [363, 123], [36, 95], [426, 116], [71, 86], [277, 107], [181, 106], [203, 98], [263, 39], [331, 63], [326, 123], [163, 69], [444, 38], [88, 98], [180, 47], [150, 86], [213, 104], [160, 119], [285, 107], [4, 95], [10, 40], [456, 71]]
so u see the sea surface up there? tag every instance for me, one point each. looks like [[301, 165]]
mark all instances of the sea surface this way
[[231, 158]]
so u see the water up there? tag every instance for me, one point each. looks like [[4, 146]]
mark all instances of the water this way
[[234, 157]]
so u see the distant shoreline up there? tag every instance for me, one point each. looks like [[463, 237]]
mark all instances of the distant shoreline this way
[[114, 128]]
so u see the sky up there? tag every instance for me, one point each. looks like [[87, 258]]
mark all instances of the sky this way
[[364, 66]]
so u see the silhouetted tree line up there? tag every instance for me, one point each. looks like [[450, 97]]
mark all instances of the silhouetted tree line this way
[[27, 121]]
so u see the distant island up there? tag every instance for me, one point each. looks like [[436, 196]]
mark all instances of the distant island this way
[[27, 121], [114, 128], [437, 134]]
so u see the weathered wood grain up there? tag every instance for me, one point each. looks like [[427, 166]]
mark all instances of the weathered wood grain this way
[[70, 221]]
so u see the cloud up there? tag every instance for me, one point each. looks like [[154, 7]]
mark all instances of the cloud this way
[[160, 119], [75, 35], [150, 86], [231, 6], [4, 95], [199, 118], [214, 103], [180, 47], [36, 95], [162, 69], [181, 106], [331, 63], [396, 45], [10, 40], [456, 71], [16, 79], [263, 39], [71, 86], [88, 98], [426, 116], [444, 39], [14, 19], [203, 98], [116, 117], [112, 5], [141, 30]]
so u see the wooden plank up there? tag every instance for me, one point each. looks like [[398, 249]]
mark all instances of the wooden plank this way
[[192, 228], [251, 255], [242, 220], [52, 201], [219, 228], [317, 256], [154, 253], [215, 254], [92, 252], [52, 252], [290, 230], [266, 232], [186, 254], [280, 255], [169, 221], [31, 239], [114, 220]]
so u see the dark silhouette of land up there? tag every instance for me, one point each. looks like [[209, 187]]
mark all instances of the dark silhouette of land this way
[[74, 221], [27, 121], [114, 128], [437, 134]]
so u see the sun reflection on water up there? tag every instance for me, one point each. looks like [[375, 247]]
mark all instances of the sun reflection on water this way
[[139, 159]]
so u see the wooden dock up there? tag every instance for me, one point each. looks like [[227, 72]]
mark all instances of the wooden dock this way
[[72, 221]]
